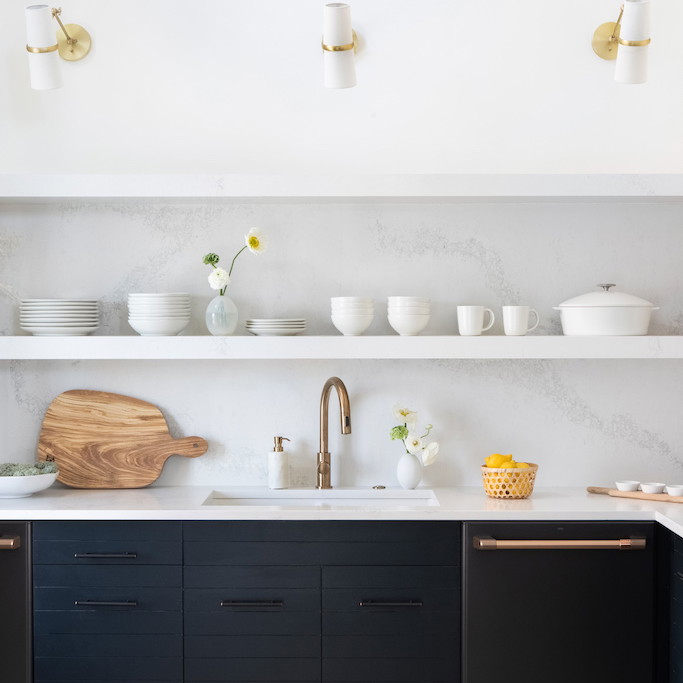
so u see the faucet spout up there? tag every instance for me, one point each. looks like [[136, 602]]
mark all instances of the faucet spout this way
[[324, 467]]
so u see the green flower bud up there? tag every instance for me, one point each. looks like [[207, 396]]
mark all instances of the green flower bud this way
[[211, 259]]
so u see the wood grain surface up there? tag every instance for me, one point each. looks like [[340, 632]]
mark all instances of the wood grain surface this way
[[661, 497], [101, 440]]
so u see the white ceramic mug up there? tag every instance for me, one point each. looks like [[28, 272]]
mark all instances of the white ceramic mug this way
[[516, 320], [471, 320]]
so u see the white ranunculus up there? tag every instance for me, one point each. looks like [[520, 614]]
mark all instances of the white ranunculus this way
[[219, 278], [256, 240], [429, 453], [405, 415], [414, 444]]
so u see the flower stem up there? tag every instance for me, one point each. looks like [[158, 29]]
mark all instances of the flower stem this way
[[234, 259]]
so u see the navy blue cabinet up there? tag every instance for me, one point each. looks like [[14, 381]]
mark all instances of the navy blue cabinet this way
[[338, 602], [107, 602]]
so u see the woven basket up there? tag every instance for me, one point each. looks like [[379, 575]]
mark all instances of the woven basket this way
[[509, 482]]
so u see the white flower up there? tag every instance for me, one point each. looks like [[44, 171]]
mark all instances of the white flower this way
[[256, 240], [405, 415], [429, 453], [413, 443], [219, 278]]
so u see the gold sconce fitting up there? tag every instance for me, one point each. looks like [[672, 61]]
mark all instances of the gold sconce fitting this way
[[342, 48], [76, 41], [606, 39]]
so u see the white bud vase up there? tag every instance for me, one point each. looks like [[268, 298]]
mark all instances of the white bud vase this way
[[409, 471], [221, 316]]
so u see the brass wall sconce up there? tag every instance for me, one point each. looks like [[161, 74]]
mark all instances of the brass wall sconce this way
[[71, 43], [627, 41], [340, 44]]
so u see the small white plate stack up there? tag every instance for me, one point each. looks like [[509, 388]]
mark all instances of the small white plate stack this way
[[276, 327], [159, 315], [408, 315], [59, 317], [352, 315]]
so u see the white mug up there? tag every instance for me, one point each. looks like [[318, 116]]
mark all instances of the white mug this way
[[471, 320], [516, 320]]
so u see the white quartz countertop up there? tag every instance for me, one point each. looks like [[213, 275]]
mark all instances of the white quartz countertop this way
[[457, 504]]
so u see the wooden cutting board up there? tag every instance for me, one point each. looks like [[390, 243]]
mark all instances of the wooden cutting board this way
[[661, 497], [109, 441]]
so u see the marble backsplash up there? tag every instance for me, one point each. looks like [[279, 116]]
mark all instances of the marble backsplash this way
[[584, 422]]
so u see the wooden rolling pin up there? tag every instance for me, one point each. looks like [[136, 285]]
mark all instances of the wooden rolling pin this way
[[661, 497]]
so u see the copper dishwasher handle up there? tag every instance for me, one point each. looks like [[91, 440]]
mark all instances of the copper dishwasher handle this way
[[490, 543], [10, 542]]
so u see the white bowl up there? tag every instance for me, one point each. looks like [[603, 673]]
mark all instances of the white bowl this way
[[652, 487], [408, 325], [675, 489], [158, 295], [628, 485], [409, 310], [158, 314], [352, 325], [163, 327], [21, 487], [353, 310]]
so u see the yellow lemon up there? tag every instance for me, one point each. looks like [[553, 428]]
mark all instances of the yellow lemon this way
[[508, 464], [522, 465], [495, 460]]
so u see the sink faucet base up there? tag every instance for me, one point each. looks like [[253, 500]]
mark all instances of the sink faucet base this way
[[323, 471]]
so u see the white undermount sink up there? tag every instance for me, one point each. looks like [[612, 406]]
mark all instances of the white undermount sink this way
[[337, 497]]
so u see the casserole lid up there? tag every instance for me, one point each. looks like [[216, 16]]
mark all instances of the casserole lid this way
[[606, 298]]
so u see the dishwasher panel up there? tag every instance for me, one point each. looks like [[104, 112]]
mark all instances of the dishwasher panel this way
[[559, 601]]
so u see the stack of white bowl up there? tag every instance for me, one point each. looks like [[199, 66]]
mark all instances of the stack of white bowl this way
[[352, 315], [408, 315], [164, 315], [59, 317]]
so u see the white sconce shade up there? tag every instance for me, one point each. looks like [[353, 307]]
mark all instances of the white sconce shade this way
[[339, 59], [634, 39], [41, 43]]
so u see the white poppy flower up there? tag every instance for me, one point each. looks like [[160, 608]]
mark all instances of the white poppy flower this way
[[414, 444], [219, 278], [429, 453], [256, 240], [405, 415]]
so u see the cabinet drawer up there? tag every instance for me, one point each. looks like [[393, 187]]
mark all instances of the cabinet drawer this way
[[251, 577], [82, 598], [109, 645], [389, 671], [240, 600], [107, 531], [320, 543], [107, 620]]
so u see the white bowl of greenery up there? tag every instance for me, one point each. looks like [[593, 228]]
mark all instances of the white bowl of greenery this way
[[19, 480]]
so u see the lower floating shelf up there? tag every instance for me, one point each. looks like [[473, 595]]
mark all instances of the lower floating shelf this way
[[304, 347]]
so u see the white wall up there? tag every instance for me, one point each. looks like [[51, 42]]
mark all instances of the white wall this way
[[585, 422], [445, 86]]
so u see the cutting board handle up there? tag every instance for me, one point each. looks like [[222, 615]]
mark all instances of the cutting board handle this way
[[188, 446]]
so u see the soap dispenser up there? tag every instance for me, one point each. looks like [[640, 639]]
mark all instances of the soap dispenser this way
[[278, 465]]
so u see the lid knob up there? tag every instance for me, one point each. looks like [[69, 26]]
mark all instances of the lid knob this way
[[278, 443], [606, 287]]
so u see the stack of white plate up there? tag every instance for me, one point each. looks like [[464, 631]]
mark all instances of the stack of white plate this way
[[276, 327], [408, 315], [352, 315], [59, 317], [164, 315]]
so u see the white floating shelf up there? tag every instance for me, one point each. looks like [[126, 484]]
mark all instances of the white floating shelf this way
[[338, 348], [465, 187]]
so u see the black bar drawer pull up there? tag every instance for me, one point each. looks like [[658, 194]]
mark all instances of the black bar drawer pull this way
[[252, 603], [10, 542], [390, 603], [490, 543], [105, 556], [106, 603]]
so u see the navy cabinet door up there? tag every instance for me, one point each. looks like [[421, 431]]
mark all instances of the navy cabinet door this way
[[676, 611], [538, 615]]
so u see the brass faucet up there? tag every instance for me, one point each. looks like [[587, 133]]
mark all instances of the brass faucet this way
[[323, 468]]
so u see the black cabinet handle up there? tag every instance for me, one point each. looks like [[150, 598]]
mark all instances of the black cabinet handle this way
[[252, 603], [490, 543], [390, 603], [106, 556], [106, 603]]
